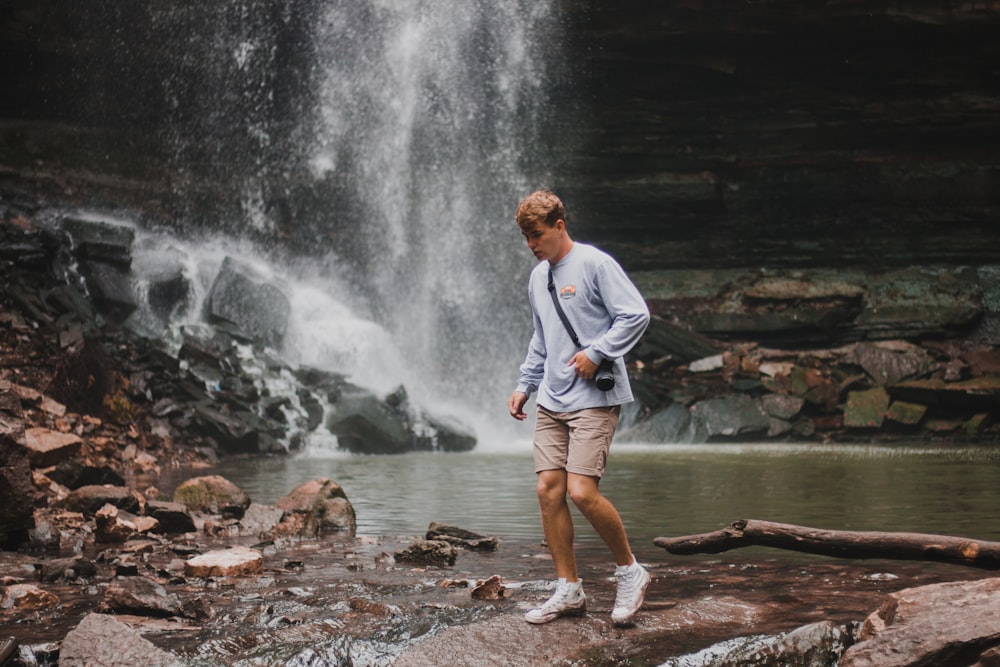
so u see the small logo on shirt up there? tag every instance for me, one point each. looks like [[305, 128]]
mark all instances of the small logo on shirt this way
[[567, 292]]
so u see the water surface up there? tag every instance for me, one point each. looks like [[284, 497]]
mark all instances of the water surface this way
[[663, 490]]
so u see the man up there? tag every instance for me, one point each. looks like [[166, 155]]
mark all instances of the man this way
[[575, 420]]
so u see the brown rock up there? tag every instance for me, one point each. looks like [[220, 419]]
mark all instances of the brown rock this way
[[910, 628], [428, 552], [233, 562], [491, 589], [114, 525], [318, 507], [47, 447], [27, 597], [91, 498]]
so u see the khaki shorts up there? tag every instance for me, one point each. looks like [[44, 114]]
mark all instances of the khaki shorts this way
[[576, 442]]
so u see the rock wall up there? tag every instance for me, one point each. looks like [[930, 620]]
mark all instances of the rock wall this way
[[703, 134], [744, 134]]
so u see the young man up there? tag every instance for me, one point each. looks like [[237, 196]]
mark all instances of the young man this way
[[575, 419]]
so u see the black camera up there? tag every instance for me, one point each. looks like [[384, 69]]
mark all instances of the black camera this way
[[605, 377]]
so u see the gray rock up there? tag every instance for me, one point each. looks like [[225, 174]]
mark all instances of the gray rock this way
[[102, 641], [141, 596], [99, 238], [731, 416], [672, 424], [815, 645], [909, 628], [256, 309], [173, 517]]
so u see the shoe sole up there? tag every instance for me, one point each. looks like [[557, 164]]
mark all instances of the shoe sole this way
[[568, 612]]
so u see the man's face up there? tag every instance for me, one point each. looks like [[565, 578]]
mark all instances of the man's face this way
[[545, 242]]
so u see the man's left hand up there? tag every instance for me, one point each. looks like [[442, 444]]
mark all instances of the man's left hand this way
[[585, 368]]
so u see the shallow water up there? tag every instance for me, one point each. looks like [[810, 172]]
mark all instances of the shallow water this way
[[663, 490]]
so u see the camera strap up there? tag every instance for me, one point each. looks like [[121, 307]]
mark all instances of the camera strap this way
[[559, 311]]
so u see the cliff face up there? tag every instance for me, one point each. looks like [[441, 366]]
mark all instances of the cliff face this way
[[702, 134], [779, 133]]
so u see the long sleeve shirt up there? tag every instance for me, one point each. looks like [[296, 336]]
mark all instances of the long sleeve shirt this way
[[609, 316]]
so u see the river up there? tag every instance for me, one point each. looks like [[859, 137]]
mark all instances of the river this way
[[661, 490]]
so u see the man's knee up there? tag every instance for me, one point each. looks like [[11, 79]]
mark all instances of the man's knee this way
[[584, 492]]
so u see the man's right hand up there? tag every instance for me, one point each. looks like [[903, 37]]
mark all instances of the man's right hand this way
[[515, 404]]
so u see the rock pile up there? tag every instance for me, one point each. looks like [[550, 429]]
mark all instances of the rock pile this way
[[851, 356]]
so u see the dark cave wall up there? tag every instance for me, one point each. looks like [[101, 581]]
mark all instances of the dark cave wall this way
[[713, 134], [696, 134]]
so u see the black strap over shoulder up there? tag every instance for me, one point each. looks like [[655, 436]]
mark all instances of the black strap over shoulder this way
[[559, 311]]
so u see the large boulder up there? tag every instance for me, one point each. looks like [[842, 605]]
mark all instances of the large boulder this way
[[100, 640], [212, 494], [248, 304], [731, 416], [910, 629], [317, 507], [88, 500]]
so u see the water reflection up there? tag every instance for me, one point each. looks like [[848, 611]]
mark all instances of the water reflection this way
[[664, 490]]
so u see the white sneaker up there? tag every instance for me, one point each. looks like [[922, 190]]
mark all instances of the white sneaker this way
[[632, 582], [568, 600]]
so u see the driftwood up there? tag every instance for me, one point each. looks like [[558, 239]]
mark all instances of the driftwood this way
[[839, 543]]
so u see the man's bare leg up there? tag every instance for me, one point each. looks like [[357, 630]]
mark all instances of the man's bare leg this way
[[601, 514], [557, 523]]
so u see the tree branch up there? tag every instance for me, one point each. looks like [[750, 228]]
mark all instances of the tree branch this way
[[838, 543]]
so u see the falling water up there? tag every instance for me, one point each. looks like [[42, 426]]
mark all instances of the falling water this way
[[373, 152], [429, 109]]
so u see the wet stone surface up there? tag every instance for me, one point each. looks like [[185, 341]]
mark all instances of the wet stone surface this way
[[345, 600]]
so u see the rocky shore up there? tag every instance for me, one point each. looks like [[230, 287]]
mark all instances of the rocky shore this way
[[100, 569]]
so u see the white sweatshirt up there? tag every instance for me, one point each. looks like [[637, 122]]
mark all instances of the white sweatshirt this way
[[609, 316]]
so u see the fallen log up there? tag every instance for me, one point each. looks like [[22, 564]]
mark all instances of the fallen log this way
[[838, 543]]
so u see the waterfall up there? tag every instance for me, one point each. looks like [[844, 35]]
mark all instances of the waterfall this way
[[430, 108], [383, 145]]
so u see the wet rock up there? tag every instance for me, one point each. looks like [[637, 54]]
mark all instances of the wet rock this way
[[172, 517], [781, 406], [491, 589], [27, 597], [140, 596], [47, 447], [890, 362], [73, 474], [428, 552], [89, 499], [672, 424], [317, 507], [115, 525], [97, 237], [260, 520], [450, 434], [664, 339], [909, 628], [238, 431], [212, 494], [817, 645], [17, 493], [103, 641], [973, 394], [111, 290], [866, 409], [254, 308], [731, 416], [365, 424], [233, 562], [905, 413], [67, 568], [460, 537]]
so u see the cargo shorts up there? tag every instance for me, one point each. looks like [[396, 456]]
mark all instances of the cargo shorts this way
[[577, 442]]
